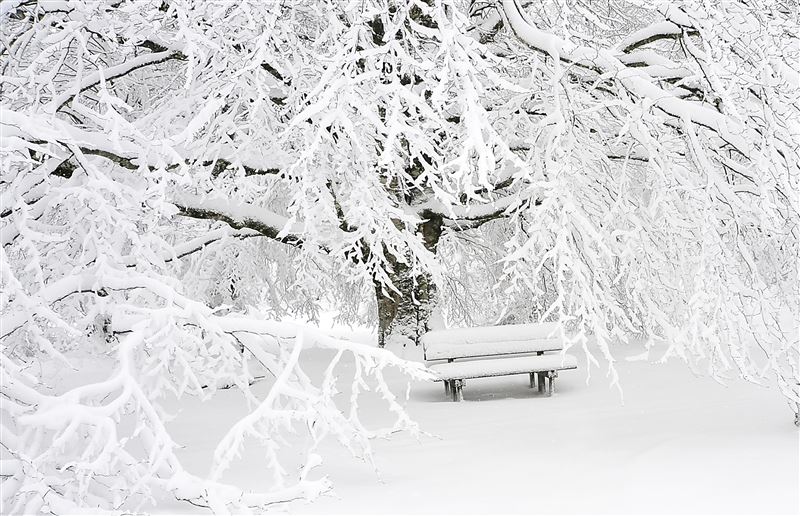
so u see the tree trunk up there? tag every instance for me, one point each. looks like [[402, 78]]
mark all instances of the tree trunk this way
[[404, 315]]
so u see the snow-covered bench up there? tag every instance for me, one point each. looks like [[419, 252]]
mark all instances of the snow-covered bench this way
[[496, 351]]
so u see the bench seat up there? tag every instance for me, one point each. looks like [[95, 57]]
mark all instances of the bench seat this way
[[480, 334], [491, 340], [489, 349], [503, 366]]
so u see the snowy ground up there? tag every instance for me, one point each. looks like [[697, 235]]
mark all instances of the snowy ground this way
[[678, 444]]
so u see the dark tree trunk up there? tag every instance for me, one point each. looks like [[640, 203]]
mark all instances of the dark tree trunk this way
[[405, 314]]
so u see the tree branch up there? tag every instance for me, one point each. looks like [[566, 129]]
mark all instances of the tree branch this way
[[238, 216], [655, 32], [114, 72], [635, 81]]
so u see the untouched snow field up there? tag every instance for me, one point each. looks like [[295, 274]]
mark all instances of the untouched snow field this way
[[679, 443]]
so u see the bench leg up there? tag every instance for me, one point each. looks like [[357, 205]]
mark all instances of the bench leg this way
[[551, 377], [533, 380], [456, 388], [541, 381], [447, 388]]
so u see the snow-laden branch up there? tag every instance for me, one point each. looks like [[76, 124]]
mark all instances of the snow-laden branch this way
[[635, 80], [186, 337], [621, 189], [241, 216], [194, 245], [111, 73], [654, 32]]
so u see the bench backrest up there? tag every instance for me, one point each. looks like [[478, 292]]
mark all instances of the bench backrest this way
[[491, 340]]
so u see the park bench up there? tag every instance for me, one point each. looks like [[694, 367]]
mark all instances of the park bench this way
[[465, 353]]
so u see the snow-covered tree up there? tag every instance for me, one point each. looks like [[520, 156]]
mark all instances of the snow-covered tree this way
[[177, 174]]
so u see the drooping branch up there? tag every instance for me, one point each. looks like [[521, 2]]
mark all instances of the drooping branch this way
[[240, 216], [201, 242], [652, 33], [113, 72], [220, 165], [636, 81]]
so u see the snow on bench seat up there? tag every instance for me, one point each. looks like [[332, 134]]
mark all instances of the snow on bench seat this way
[[483, 349], [491, 340], [503, 366], [492, 333]]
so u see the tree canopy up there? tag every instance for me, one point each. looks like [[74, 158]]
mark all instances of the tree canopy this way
[[179, 175]]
